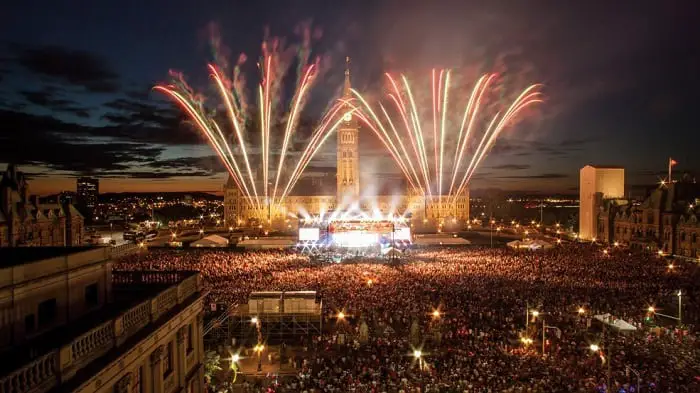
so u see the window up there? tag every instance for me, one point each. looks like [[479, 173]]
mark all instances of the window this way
[[91, 295], [47, 312], [168, 361], [29, 323], [190, 338]]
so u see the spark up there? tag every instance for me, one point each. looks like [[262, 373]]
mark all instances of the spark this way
[[450, 144], [235, 151]]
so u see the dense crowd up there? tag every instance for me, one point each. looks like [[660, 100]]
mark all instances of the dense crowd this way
[[474, 343]]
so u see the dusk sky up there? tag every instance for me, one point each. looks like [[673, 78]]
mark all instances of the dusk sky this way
[[620, 80]]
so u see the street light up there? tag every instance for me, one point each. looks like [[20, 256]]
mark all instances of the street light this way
[[436, 314], [254, 320], [235, 358], [595, 348], [581, 311], [341, 316], [535, 313], [259, 348], [680, 306], [418, 355]]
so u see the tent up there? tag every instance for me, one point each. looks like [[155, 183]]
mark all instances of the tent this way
[[391, 252], [618, 324], [210, 241], [530, 244]]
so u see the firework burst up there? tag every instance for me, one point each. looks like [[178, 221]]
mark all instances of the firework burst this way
[[270, 180], [449, 139]]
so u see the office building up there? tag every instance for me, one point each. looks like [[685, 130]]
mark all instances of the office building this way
[[87, 192]]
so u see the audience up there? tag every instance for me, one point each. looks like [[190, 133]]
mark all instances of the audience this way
[[473, 343]]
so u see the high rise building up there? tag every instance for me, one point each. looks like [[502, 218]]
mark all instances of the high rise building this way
[[88, 189], [71, 324], [597, 184]]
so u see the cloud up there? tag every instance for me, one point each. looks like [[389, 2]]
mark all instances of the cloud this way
[[575, 142], [139, 120], [511, 167], [47, 141], [75, 67], [49, 98], [540, 176], [208, 164]]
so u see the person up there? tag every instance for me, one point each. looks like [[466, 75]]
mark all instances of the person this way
[[482, 295]]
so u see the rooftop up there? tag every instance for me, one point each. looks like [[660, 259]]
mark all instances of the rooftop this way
[[143, 302], [13, 256]]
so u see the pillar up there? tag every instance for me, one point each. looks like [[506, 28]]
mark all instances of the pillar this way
[[157, 370], [181, 357]]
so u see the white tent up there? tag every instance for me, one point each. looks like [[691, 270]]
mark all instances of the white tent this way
[[618, 324], [391, 252], [210, 241], [530, 244]]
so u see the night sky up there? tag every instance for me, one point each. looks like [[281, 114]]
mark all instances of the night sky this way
[[620, 79]]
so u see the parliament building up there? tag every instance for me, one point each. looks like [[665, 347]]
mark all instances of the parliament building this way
[[311, 198]]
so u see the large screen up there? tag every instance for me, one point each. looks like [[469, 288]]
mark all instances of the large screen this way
[[403, 233], [308, 234], [355, 239]]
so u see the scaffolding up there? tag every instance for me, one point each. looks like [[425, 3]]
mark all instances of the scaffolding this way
[[242, 322]]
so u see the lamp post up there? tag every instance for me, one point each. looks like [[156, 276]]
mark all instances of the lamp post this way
[[418, 355], [259, 348], [492, 222], [680, 307]]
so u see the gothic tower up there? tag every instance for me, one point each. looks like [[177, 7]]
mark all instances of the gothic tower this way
[[348, 172]]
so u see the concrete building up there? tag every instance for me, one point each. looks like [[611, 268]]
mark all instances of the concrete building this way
[[426, 212], [597, 184], [71, 324], [26, 222]]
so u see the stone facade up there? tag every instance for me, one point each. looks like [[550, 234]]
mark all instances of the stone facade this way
[[143, 334], [666, 221], [25, 222]]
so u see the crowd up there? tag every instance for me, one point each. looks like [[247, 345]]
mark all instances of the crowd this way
[[465, 309]]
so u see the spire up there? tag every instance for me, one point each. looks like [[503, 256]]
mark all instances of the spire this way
[[346, 88]]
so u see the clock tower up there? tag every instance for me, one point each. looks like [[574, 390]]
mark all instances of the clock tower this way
[[348, 170]]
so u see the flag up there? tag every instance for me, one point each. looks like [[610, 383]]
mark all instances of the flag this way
[[672, 162]]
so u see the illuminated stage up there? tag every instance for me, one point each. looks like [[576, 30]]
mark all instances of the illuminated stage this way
[[366, 236]]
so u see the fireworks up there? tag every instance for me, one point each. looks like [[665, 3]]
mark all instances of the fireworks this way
[[403, 134], [237, 154]]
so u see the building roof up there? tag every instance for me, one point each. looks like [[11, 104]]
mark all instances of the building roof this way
[[605, 166], [13, 256]]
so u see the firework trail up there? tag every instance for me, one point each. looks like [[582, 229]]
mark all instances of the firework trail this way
[[237, 153], [451, 143]]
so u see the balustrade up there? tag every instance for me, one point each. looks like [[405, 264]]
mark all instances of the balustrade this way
[[45, 372], [136, 318], [92, 344], [40, 373]]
